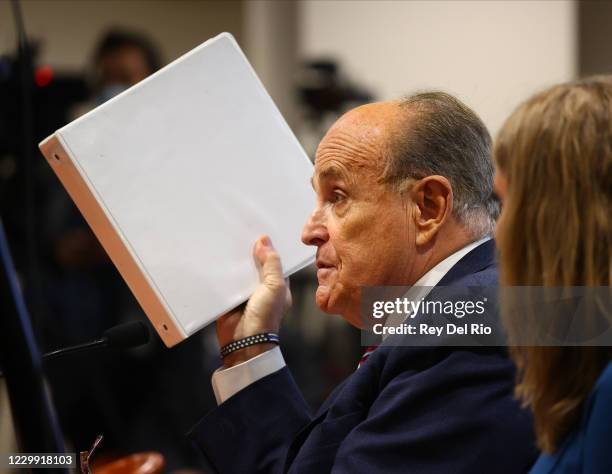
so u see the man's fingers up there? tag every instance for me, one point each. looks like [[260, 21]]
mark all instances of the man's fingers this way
[[261, 249], [272, 271], [269, 264]]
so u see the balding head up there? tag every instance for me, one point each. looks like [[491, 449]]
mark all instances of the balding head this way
[[364, 135]]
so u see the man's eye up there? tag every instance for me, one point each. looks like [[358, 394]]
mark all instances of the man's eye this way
[[337, 197]]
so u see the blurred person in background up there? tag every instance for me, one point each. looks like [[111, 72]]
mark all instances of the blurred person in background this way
[[554, 176], [122, 59], [130, 397]]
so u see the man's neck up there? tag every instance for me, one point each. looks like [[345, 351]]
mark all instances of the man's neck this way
[[446, 244]]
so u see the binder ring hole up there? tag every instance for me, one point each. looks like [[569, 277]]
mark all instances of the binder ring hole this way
[[56, 156], [165, 327]]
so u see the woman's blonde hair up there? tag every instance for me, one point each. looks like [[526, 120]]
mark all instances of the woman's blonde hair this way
[[555, 152]]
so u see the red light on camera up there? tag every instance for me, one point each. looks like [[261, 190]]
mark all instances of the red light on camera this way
[[43, 76]]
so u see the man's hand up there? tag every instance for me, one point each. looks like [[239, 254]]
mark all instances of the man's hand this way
[[264, 310]]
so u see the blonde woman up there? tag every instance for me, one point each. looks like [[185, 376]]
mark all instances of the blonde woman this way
[[554, 177]]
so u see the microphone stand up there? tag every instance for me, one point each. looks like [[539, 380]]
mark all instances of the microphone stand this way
[[99, 344]]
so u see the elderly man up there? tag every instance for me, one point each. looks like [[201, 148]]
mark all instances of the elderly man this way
[[404, 197]]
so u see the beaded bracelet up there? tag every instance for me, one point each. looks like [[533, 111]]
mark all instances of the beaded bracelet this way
[[262, 338]]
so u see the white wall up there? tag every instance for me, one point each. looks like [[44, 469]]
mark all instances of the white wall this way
[[492, 54], [269, 32]]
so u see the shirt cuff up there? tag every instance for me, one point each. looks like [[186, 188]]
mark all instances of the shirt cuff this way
[[228, 382]]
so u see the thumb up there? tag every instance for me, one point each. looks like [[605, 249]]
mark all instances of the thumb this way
[[269, 264]]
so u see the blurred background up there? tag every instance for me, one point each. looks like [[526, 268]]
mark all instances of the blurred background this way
[[317, 59]]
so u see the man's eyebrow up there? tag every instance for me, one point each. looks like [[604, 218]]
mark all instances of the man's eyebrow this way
[[332, 172], [329, 173]]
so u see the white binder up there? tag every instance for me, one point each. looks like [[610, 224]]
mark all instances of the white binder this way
[[179, 175]]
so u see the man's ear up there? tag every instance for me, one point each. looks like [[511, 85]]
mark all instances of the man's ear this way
[[433, 197]]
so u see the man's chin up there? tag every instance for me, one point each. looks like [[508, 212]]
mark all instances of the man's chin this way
[[332, 302], [322, 298]]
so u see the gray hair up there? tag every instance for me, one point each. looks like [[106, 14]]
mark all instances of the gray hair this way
[[442, 136]]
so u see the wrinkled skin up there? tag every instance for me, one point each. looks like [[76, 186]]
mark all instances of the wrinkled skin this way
[[364, 231]]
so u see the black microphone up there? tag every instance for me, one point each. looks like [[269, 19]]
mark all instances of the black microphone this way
[[123, 336]]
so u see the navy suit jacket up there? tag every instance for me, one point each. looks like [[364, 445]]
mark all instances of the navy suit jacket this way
[[421, 410]]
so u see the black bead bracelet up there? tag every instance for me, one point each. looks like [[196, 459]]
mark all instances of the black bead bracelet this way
[[264, 337]]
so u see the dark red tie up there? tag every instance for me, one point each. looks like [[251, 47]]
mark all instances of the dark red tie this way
[[366, 354]]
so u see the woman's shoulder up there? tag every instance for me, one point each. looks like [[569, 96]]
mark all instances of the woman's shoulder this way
[[598, 425], [604, 383], [600, 400], [599, 403]]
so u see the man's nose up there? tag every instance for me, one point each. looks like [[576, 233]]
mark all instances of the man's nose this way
[[315, 230]]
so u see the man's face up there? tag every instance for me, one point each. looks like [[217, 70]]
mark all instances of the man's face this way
[[364, 231]]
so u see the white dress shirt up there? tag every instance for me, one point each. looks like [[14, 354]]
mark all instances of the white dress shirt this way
[[228, 382]]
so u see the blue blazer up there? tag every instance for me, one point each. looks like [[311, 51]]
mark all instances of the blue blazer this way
[[422, 410], [587, 450]]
